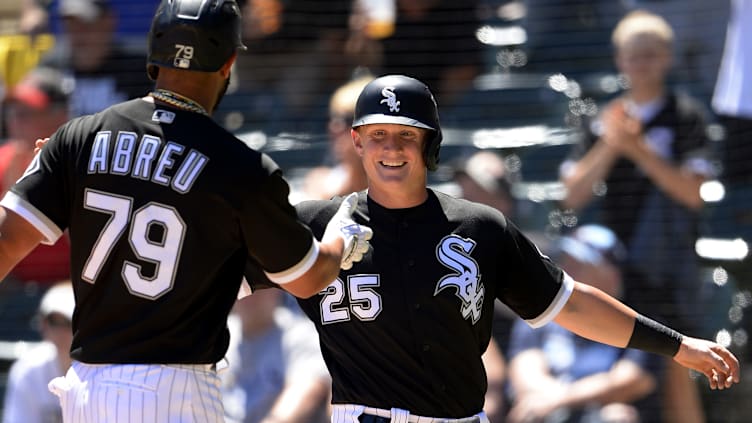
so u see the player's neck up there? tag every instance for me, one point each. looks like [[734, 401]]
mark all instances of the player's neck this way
[[194, 87]]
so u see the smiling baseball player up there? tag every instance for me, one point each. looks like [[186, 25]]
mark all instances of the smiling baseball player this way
[[404, 329]]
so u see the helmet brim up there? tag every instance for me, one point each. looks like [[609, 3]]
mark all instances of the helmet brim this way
[[382, 118]]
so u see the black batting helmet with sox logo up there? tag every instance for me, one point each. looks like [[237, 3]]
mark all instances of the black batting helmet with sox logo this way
[[401, 100]]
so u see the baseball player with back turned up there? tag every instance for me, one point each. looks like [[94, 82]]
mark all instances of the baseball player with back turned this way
[[403, 330], [164, 210]]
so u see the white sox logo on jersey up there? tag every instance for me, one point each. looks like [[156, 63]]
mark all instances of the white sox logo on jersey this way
[[390, 98], [454, 253]]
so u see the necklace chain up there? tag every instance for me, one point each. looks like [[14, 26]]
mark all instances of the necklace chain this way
[[177, 100]]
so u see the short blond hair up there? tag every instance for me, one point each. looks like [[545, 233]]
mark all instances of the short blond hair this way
[[642, 22]]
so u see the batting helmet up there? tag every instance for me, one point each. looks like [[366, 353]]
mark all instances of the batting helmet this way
[[195, 35], [405, 101]]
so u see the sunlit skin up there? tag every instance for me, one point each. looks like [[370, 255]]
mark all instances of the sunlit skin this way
[[393, 160]]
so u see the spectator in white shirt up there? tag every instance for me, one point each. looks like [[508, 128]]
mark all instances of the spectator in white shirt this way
[[27, 399]]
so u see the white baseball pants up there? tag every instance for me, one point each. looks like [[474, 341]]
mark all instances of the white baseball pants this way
[[130, 393]]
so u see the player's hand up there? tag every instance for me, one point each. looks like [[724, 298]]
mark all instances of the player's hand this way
[[716, 362], [354, 235], [39, 143]]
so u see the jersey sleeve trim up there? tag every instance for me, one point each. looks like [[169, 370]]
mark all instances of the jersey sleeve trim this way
[[42, 223], [567, 286], [296, 271]]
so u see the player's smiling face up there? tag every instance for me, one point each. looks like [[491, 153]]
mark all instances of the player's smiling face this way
[[392, 156]]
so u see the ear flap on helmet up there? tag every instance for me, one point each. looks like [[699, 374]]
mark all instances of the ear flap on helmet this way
[[431, 151]]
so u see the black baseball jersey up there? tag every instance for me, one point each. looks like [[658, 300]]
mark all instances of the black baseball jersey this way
[[407, 325], [163, 209]]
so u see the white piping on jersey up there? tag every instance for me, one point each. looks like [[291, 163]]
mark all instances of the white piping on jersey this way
[[565, 291], [31, 214], [296, 271]]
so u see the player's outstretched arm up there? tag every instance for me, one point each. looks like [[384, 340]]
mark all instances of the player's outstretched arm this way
[[17, 238], [344, 242], [593, 314]]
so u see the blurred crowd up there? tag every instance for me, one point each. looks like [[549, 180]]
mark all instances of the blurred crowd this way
[[658, 113]]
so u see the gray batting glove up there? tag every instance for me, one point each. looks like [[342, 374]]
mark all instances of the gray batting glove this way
[[355, 236]]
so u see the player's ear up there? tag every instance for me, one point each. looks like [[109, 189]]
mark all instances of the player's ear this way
[[357, 141], [227, 67]]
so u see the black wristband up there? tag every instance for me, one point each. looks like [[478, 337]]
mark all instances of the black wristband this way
[[649, 335]]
